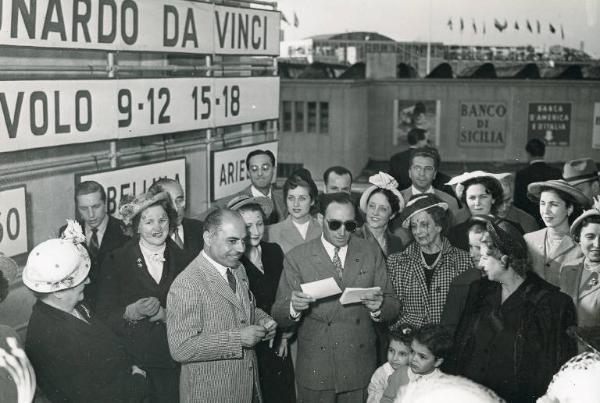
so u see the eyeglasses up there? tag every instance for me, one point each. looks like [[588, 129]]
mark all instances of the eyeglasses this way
[[334, 225]]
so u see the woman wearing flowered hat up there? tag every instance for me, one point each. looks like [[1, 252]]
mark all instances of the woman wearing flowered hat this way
[[75, 356], [552, 246], [422, 273], [133, 285], [580, 278], [263, 262], [380, 203], [482, 193], [512, 336]]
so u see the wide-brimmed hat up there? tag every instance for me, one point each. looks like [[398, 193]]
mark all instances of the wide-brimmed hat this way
[[265, 203], [580, 171], [534, 191], [576, 381], [132, 206], [507, 238], [419, 203], [381, 180], [58, 264], [594, 211], [459, 180]]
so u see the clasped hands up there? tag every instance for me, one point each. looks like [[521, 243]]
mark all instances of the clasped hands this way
[[148, 307], [253, 334], [372, 301]]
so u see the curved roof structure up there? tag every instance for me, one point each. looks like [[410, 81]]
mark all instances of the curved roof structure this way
[[353, 36]]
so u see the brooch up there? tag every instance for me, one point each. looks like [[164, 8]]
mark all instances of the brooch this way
[[140, 265], [593, 281]]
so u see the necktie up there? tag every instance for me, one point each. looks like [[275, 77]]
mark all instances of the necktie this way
[[177, 239], [231, 280], [94, 246], [337, 262]]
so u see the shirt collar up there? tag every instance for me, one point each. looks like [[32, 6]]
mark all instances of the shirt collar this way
[[101, 228], [416, 191], [257, 193], [330, 248], [534, 161], [220, 268]]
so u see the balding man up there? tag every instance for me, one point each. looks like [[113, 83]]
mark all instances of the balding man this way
[[213, 323]]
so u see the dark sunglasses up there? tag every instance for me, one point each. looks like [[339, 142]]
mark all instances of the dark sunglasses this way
[[334, 225]]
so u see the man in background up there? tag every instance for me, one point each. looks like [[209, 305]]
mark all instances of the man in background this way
[[583, 174], [400, 162]]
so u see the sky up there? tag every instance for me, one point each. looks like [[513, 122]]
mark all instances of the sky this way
[[417, 20]]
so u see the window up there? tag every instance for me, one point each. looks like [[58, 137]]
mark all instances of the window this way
[[311, 117], [299, 121], [323, 117], [286, 116]]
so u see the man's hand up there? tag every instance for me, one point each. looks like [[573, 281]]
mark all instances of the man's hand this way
[[270, 326], [160, 315], [373, 300], [147, 306], [252, 334], [301, 301]]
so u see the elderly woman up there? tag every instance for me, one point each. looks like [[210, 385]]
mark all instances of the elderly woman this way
[[512, 336], [133, 285], [580, 278], [422, 273], [300, 194], [381, 203], [552, 246], [482, 193], [75, 356], [263, 262]]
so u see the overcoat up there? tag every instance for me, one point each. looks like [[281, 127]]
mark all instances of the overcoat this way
[[204, 318], [584, 288], [549, 267], [336, 343], [193, 239], [287, 236]]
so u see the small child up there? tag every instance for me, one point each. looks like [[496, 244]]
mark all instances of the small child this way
[[431, 345], [398, 355]]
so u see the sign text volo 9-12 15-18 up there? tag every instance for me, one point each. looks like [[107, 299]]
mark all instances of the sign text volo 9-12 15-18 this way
[[36, 114], [139, 25]]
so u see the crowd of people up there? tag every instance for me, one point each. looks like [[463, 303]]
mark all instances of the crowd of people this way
[[462, 287]]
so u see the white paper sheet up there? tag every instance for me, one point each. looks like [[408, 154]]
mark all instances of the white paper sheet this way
[[353, 295], [321, 288]]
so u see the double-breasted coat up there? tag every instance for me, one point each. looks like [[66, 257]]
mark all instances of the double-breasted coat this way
[[336, 343], [204, 318]]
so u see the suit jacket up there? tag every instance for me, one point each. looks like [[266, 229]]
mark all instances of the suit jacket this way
[[585, 291], [279, 206], [536, 172], [204, 318], [457, 214], [336, 343], [193, 241], [399, 168], [114, 238], [82, 362], [422, 305], [124, 279], [287, 236], [549, 267]]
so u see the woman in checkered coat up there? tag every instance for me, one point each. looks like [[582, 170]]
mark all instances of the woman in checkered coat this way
[[422, 273]]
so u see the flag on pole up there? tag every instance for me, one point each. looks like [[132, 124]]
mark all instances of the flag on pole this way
[[552, 29], [529, 27], [474, 26], [516, 25], [562, 32], [499, 26], [449, 23], [283, 18], [296, 20], [462, 24], [539, 27]]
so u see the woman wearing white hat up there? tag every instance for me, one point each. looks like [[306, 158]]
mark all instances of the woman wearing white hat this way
[[482, 193], [580, 278], [133, 285], [75, 356], [381, 203], [552, 246]]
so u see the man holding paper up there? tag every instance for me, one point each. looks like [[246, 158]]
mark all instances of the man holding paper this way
[[336, 343]]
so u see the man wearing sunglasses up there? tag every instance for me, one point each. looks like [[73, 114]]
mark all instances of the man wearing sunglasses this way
[[336, 343]]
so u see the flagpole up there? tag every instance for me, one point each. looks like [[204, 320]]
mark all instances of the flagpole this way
[[428, 64]]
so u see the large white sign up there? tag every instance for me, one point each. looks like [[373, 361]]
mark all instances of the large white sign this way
[[228, 169], [36, 114], [140, 25], [13, 221], [134, 180], [596, 126]]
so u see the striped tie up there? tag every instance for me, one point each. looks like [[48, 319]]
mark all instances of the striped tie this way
[[337, 262]]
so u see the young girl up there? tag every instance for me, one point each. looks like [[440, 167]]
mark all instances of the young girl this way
[[398, 356]]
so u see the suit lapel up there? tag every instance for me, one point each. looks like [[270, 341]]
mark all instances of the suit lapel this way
[[219, 284], [141, 269], [352, 265], [588, 283], [291, 232], [420, 275], [565, 246]]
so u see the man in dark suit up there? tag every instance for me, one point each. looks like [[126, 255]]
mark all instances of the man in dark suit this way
[[536, 171], [103, 233], [400, 162], [261, 166], [339, 179], [188, 234], [336, 343]]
